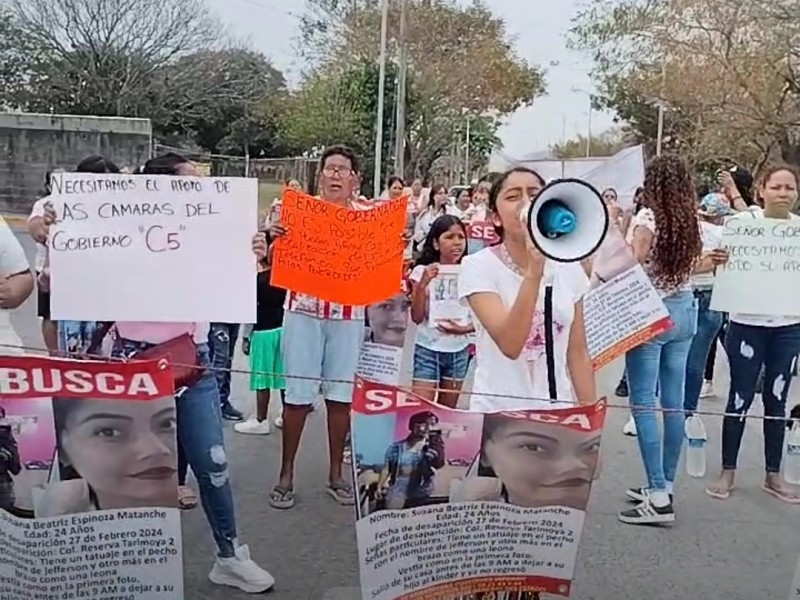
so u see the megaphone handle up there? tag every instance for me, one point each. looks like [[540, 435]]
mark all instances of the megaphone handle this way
[[549, 345]]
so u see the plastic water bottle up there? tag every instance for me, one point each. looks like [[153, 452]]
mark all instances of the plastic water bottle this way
[[791, 464], [696, 447]]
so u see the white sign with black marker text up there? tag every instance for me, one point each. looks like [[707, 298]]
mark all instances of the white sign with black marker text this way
[[153, 248], [762, 275]]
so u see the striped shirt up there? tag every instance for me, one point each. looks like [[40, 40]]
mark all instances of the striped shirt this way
[[312, 306]]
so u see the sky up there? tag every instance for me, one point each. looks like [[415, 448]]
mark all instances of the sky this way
[[272, 25]]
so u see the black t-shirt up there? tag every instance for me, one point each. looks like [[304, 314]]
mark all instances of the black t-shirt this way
[[269, 304]]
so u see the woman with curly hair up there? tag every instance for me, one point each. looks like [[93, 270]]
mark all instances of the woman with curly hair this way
[[666, 241]]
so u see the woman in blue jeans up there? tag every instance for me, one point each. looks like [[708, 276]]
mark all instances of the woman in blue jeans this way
[[199, 422], [666, 240], [754, 341], [714, 207]]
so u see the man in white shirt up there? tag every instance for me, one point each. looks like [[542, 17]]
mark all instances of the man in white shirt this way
[[39, 221]]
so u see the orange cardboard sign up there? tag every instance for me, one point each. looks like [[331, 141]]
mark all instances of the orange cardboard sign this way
[[339, 254]]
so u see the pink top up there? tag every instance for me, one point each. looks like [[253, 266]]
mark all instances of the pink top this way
[[158, 333]]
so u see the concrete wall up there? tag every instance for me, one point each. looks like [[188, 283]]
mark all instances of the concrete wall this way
[[32, 144]]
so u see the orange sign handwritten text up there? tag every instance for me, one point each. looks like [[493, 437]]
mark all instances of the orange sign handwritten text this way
[[340, 254]]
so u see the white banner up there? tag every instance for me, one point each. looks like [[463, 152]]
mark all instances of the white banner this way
[[153, 248]]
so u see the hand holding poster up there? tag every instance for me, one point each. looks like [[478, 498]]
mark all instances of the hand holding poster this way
[[623, 309], [444, 304], [340, 254], [762, 275], [450, 504], [123, 236], [107, 525]]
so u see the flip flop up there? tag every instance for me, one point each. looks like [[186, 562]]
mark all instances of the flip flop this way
[[779, 496], [719, 495], [282, 498], [187, 497], [341, 492]]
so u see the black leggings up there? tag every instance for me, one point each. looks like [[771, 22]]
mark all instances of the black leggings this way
[[712, 353]]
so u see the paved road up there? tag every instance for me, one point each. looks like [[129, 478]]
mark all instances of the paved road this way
[[744, 549]]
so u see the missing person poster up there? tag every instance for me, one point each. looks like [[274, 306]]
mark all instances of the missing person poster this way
[[104, 523], [456, 504], [381, 355], [622, 309]]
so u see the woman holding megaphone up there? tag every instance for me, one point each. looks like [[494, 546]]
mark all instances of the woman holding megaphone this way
[[504, 286]]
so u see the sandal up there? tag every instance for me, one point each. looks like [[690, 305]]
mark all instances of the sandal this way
[[719, 493], [786, 495], [187, 497], [281, 498], [341, 492]]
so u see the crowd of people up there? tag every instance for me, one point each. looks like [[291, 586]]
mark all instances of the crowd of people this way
[[306, 347]]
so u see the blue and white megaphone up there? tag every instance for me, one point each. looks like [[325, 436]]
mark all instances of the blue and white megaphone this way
[[567, 221]]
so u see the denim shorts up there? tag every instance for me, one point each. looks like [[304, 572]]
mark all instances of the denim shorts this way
[[431, 365], [320, 354]]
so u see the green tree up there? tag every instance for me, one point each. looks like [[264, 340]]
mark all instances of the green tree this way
[[461, 65], [340, 106], [724, 71]]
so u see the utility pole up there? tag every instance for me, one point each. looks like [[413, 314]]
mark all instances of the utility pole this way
[[377, 174], [467, 177], [402, 74], [589, 132], [660, 133]]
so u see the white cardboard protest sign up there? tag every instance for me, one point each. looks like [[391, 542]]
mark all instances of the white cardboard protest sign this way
[[153, 248], [762, 275]]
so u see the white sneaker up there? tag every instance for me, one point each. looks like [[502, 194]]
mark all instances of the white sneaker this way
[[279, 422], [253, 427], [707, 390], [630, 427], [241, 572]]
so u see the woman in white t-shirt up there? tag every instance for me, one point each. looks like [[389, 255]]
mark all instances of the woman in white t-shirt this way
[[753, 340], [441, 349], [666, 240], [504, 287], [435, 209]]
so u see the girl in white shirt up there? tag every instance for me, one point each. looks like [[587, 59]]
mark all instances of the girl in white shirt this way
[[504, 287], [436, 208], [441, 350], [754, 340]]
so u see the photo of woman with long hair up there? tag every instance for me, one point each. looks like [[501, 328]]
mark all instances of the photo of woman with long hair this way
[[441, 349], [113, 454], [666, 241], [504, 287], [532, 464], [436, 208]]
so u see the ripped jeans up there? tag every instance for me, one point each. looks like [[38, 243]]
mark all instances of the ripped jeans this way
[[200, 437], [748, 348]]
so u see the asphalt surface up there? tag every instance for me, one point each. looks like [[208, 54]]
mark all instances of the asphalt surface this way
[[745, 548]]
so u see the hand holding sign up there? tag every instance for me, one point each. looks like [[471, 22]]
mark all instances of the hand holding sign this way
[[339, 254]]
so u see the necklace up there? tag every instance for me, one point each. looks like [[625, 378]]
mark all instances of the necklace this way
[[504, 256]]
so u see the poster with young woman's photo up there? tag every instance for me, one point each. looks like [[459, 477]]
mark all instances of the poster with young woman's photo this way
[[384, 338], [455, 501], [106, 431]]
